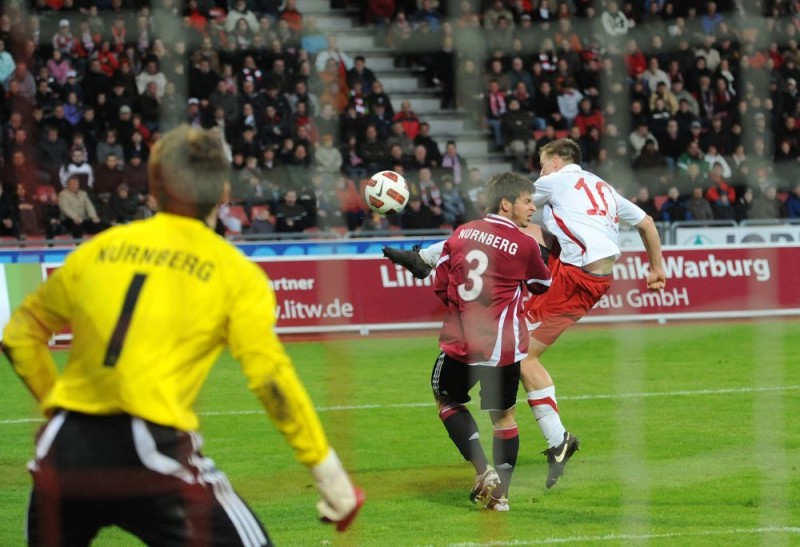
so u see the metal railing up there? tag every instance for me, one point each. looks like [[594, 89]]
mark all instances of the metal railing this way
[[769, 221], [338, 235], [284, 236], [674, 226], [435, 232], [667, 231], [39, 242]]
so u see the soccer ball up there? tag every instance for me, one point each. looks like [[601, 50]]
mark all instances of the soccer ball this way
[[386, 192]]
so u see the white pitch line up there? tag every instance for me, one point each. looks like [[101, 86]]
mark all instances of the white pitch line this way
[[687, 392], [637, 537], [589, 397]]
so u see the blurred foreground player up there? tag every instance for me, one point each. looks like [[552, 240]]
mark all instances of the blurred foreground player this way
[[583, 213], [151, 305], [485, 270]]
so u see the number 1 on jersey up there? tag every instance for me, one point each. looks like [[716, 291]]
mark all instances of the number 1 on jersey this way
[[121, 329]]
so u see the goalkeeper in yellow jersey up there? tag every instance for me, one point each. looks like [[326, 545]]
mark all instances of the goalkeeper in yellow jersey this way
[[151, 305]]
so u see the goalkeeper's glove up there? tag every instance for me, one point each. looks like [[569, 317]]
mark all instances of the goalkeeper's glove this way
[[340, 499]]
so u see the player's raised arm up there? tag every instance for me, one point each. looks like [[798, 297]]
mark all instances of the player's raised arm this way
[[632, 214], [656, 278], [272, 377]]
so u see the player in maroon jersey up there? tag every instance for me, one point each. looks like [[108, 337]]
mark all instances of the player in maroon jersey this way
[[485, 270]]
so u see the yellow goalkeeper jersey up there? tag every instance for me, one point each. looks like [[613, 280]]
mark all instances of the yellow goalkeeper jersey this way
[[151, 306]]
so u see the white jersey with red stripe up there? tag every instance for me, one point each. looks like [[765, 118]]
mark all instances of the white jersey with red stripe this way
[[583, 212]]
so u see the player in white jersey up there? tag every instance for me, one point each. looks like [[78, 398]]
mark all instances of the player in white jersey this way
[[582, 212]]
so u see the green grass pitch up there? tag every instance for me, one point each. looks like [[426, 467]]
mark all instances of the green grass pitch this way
[[690, 436]]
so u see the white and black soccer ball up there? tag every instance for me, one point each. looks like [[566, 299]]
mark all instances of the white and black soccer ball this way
[[386, 192]]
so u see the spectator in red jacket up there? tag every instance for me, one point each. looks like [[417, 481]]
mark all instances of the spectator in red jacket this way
[[588, 116], [409, 119], [292, 17], [635, 61], [380, 12], [350, 202], [109, 63], [719, 186]]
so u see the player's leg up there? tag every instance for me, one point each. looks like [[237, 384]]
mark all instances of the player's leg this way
[[549, 315], [505, 449], [418, 261], [499, 387], [191, 502], [205, 513], [65, 459], [53, 521], [451, 382], [430, 254], [541, 394], [572, 294]]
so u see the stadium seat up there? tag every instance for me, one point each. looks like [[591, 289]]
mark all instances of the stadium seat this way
[[238, 212], [258, 208]]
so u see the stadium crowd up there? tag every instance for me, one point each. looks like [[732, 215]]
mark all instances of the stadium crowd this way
[[690, 108]]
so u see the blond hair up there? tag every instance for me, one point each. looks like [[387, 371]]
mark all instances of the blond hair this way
[[566, 149], [187, 170]]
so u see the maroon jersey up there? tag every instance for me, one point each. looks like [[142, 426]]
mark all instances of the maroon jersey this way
[[481, 277]]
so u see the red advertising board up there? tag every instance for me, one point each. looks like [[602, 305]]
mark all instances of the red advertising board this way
[[366, 293], [362, 293], [707, 282], [349, 293]]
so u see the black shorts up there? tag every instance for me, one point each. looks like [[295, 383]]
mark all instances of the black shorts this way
[[91, 472], [452, 380]]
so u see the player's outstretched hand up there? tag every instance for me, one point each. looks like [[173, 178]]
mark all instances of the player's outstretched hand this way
[[656, 280], [340, 499]]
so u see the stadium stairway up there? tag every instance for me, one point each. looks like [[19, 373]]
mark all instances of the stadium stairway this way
[[406, 84]]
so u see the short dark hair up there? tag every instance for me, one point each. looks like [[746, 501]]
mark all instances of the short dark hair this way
[[509, 186]]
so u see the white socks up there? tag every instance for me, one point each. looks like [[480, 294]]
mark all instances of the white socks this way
[[545, 410], [431, 254]]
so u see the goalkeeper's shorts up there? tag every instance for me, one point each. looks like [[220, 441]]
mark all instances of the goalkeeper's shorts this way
[[91, 472]]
